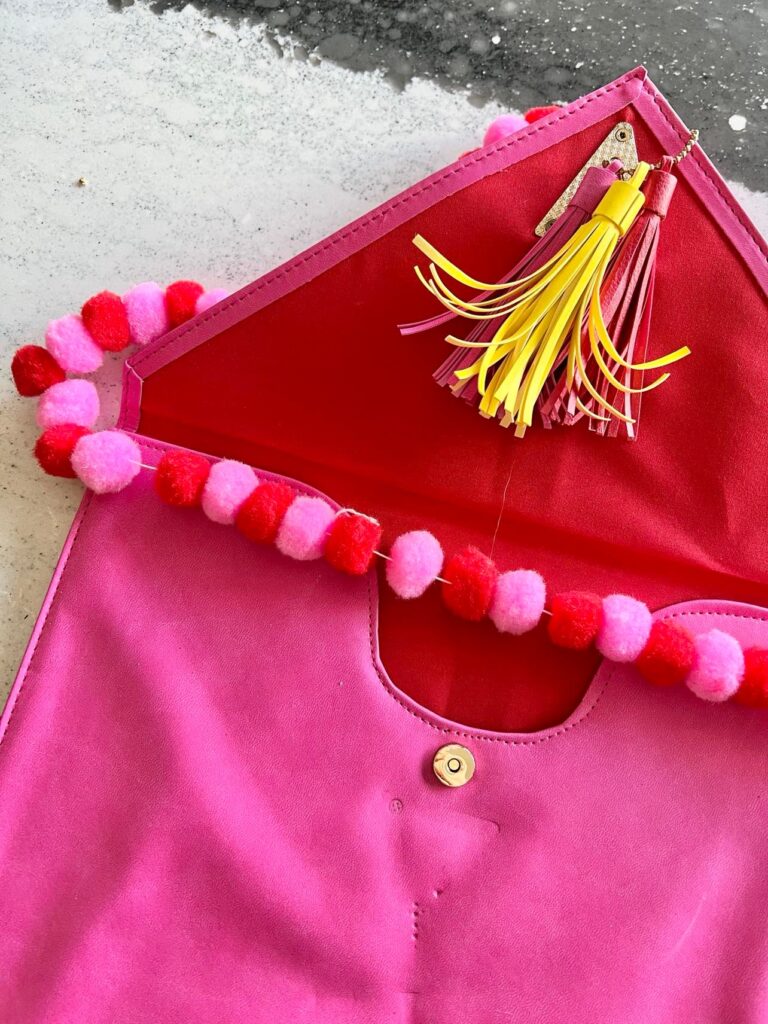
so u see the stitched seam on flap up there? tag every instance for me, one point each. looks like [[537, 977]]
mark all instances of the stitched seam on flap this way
[[712, 183], [731, 615]]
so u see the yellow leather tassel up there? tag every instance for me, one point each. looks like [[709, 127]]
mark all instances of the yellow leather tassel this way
[[546, 315]]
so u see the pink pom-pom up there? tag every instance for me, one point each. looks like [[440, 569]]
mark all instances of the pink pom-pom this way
[[304, 528], [147, 315], [415, 561], [625, 628], [518, 601], [505, 125], [228, 485], [208, 299], [71, 345], [70, 401], [106, 462], [718, 666]]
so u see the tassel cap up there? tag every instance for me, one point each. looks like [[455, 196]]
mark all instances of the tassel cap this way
[[624, 200]]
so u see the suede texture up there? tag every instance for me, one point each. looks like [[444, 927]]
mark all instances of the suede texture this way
[[216, 805]]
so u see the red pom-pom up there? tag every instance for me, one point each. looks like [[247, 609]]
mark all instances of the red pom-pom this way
[[753, 692], [35, 370], [180, 478], [351, 542], [470, 580], [55, 446], [535, 113], [106, 321], [668, 655], [261, 514], [180, 300], [575, 620]]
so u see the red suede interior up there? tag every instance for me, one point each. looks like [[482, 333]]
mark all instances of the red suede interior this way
[[320, 385]]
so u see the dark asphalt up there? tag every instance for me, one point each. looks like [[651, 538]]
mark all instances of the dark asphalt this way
[[708, 56]]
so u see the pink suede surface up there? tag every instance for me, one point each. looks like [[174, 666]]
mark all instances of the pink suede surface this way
[[215, 806]]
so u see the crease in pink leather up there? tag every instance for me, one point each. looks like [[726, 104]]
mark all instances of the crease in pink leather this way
[[216, 806]]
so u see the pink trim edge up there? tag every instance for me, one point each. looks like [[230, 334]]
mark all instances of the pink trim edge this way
[[50, 597], [633, 88], [699, 170]]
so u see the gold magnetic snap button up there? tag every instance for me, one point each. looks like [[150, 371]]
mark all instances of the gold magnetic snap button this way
[[454, 765]]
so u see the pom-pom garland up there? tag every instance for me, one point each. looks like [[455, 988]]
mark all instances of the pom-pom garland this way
[[415, 561], [668, 655], [624, 629], [70, 344], [718, 666], [181, 477], [518, 601], [34, 370], [712, 664], [180, 301], [506, 124], [469, 580], [76, 343], [207, 299], [304, 528], [54, 448], [106, 462], [575, 620], [351, 542], [145, 309], [261, 514], [228, 485], [106, 321], [753, 692], [536, 113], [70, 401]]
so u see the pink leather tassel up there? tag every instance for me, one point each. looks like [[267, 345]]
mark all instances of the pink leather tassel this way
[[627, 300], [593, 187]]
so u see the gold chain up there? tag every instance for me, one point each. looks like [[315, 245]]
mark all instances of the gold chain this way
[[693, 138]]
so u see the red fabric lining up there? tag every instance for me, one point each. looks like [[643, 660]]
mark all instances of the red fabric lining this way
[[319, 385]]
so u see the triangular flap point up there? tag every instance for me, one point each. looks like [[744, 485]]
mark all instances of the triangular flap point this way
[[619, 144]]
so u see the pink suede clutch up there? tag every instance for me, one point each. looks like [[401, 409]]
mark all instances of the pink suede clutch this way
[[218, 804]]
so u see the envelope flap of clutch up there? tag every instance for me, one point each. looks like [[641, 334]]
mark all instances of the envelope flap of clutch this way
[[304, 372]]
